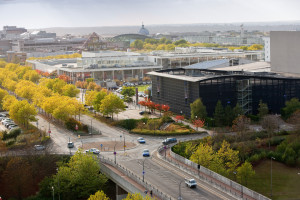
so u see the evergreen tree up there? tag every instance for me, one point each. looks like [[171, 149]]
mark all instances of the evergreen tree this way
[[262, 109], [198, 109], [219, 114]]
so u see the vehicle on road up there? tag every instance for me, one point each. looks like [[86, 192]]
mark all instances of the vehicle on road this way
[[39, 147], [93, 150], [146, 153], [3, 115], [141, 140], [169, 141], [191, 183], [13, 127], [70, 144], [142, 112]]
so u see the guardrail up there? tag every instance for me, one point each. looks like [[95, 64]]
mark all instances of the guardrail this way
[[146, 184], [220, 182]]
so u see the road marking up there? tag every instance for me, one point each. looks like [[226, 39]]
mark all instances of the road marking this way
[[182, 175]]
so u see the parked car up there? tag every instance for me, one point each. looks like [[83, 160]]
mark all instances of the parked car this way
[[70, 144], [5, 119], [3, 115], [13, 126], [146, 153], [9, 124], [169, 141], [142, 112], [191, 183], [141, 140], [93, 150], [39, 147]]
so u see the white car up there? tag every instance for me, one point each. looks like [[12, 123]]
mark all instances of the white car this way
[[39, 147], [93, 150], [141, 140]]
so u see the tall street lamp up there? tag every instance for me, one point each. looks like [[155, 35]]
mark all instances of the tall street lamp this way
[[124, 142], [91, 126], [52, 192], [115, 153], [272, 158], [49, 131], [144, 169], [179, 197]]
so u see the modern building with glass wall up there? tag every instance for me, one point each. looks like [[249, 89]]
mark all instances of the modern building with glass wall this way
[[180, 87]]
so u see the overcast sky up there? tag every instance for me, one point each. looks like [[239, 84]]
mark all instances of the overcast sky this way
[[86, 13]]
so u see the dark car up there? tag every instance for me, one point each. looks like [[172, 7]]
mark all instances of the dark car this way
[[169, 141], [70, 144], [142, 112]]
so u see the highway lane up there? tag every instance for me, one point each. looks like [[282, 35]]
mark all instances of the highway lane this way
[[166, 179]]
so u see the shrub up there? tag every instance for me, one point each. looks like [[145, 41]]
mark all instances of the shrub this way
[[128, 124], [276, 141], [71, 124], [253, 118], [10, 142], [12, 134]]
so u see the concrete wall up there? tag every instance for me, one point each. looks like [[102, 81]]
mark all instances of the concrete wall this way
[[285, 51]]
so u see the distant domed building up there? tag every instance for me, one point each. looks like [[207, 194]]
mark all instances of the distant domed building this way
[[143, 30]]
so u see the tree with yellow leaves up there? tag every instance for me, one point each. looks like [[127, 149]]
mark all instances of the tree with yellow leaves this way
[[7, 101], [9, 84], [3, 93], [229, 157], [99, 195], [70, 90], [112, 104], [22, 112], [26, 89], [32, 75], [137, 196]]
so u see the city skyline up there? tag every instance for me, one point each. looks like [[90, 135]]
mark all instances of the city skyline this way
[[34, 14]]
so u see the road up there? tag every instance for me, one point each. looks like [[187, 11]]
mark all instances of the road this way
[[160, 174]]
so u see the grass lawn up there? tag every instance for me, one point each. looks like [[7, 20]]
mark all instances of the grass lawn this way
[[286, 181], [142, 88]]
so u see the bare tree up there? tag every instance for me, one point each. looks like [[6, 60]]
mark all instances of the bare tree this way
[[270, 124]]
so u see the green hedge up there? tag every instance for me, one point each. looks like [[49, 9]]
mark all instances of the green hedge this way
[[163, 133]]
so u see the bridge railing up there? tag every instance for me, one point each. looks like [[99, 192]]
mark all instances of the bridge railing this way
[[146, 184], [220, 182]]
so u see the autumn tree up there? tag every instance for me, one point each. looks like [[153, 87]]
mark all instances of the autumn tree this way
[[79, 178], [31, 75], [137, 44], [199, 123], [112, 104], [203, 155], [241, 125], [98, 99], [137, 196], [23, 112], [8, 101], [3, 93], [70, 90], [179, 118], [270, 124], [99, 195], [198, 109], [245, 172], [228, 157]]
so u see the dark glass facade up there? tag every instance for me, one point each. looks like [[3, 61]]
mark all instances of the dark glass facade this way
[[247, 90]]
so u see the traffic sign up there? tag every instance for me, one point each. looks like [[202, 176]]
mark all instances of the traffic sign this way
[[49, 131], [76, 127], [78, 136], [143, 172], [115, 153], [124, 146], [101, 145]]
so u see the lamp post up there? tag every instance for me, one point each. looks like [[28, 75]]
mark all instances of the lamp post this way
[[272, 158], [179, 197], [124, 142], [49, 131], [58, 185], [91, 126], [52, 192], [144, 169], [115, 153]]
